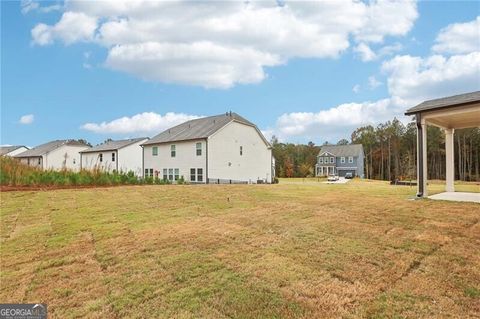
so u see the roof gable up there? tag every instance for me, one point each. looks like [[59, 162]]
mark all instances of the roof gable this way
[[114, 145], [7, 149], [342, 150], [201, 128], [48, 147]]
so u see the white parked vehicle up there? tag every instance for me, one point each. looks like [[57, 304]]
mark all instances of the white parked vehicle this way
[[332, 178]]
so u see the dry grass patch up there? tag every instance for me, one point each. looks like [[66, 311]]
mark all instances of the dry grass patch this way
[[294, 250]]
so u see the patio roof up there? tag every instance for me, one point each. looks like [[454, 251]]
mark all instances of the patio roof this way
[[459, 111]]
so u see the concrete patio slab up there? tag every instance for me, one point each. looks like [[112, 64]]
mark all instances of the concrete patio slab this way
[[457, 196]]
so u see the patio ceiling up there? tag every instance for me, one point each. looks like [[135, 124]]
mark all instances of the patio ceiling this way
[[455, 117]]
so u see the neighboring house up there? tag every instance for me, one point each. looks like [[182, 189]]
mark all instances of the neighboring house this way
[[59, 154], [340, 159], [12, 150], [120, 156], [213, 149]]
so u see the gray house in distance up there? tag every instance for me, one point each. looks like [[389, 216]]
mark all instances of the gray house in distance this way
[[340, 159]]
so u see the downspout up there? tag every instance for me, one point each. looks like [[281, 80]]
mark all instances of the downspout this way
[[206, 160], [116, 161], [420, 159], [81, 161]]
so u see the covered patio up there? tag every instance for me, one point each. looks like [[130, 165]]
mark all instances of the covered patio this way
[[449, 113]]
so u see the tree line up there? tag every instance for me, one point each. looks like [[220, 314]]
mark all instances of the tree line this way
[[390, 153]]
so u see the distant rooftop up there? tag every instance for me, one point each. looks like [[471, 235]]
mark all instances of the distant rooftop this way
[[342, 150], [48, 147], [113, 145], [7, 149], [449, 101], [198, 129]]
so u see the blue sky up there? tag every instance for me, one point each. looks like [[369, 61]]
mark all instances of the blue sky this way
[[296, 74]]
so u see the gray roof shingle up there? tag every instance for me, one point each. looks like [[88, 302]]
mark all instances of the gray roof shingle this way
[[342, 150], [113, 145], [7, 149], [48, 147], [448, 101], [198, 129]]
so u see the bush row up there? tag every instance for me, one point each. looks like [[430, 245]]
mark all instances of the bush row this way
[[13, 173]]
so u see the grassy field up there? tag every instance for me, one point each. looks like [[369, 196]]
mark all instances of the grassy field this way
[[293, 250]]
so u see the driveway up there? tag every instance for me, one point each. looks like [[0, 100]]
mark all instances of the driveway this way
[[341, 180]]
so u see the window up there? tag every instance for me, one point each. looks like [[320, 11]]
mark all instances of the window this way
[[165, 174], [177, 173], [332, 160], [192, 175], [40, 161], [199, 149], [320, 160], [170, 174], [74, 161], [173, 151], [200, 174], [342, 159], [241, 150], [154, 151], [350, 159], [113, 157], [100, 157], [148, 172]]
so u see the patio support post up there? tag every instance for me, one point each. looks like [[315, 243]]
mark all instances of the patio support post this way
[[421, 156], [450, 169]]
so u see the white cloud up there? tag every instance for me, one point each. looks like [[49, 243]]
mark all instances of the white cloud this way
[[31, 5], [201, 63], [147, 122], [459, 38], [356, 88], [28, 5], [366, 54], [415, 79], [393, 18], [222, 43], [373, 83], [336, 122], [27, 119], [72, 27]]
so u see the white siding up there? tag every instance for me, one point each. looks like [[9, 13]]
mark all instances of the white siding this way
[[130, 158], [17, 151], [66, 156], [186, 158], [225, 161], [32, 161], [92, 160]]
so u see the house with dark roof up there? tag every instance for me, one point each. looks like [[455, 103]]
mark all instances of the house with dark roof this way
[[340, 159], [120, 156], [56, 155], [12, 150], [216, 149]]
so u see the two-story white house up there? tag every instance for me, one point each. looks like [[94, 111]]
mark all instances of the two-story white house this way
[[120, 156], [56, 155], [216, 149]]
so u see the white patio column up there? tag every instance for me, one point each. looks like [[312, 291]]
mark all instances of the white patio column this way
[[450, 169], [425, 160]]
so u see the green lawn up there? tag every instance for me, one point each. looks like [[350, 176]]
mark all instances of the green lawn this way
[[293, 250]]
